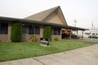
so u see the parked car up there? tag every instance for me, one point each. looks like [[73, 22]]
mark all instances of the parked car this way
[[95, 37]]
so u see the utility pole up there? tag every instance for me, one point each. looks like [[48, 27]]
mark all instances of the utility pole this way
[[92, 26], [75, 22]]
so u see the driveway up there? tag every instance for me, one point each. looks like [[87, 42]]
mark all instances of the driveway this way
[[82, 56]]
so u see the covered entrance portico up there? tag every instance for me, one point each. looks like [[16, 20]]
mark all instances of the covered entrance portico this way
[[70, 32]]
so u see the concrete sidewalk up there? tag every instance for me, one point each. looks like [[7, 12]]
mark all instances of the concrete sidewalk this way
[[81, 56]]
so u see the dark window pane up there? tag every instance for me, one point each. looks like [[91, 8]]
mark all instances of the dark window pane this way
[[37, 30], [96, 33], [3, 28], [56, 31], [33, 29], [24, 28], [93, 33]]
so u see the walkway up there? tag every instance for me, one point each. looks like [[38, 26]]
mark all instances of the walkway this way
[[81, 56]]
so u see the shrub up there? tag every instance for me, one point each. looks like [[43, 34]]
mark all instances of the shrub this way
[[56, 39], [16, 33], [47, 32], [33, 38]]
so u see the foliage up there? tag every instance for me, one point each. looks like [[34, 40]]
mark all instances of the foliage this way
[[33, 38], [16, 32], [56, 39], [47, 32]]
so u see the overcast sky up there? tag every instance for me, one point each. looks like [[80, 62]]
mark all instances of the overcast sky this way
[[85, 12]]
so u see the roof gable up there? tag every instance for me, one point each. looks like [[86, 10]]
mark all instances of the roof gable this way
[[53, 15], [53, 18], [41, 15], [56, 17]]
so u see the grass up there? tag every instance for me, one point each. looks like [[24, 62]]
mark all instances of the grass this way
[[91, 40], [12, 51]]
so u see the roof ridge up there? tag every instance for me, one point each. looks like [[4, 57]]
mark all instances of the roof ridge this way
[[51, 13], [42, 11]]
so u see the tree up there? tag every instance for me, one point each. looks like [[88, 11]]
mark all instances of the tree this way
[[16, 32], [47, 32]]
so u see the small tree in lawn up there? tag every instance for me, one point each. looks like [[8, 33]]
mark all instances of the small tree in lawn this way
[[47, 32], [16, 32]]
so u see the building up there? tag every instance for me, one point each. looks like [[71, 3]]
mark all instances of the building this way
[[34, 24], [92, 33]]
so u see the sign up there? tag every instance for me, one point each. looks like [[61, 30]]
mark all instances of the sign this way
[[44, 41]]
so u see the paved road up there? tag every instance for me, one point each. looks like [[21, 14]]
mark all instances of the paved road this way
[[81, 56]]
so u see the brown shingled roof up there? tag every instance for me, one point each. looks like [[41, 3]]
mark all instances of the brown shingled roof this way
[[39, 18], [41, 15]]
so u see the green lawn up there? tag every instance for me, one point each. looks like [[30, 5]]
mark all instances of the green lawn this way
[[10, 51]]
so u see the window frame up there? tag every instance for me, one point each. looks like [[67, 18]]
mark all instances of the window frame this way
[[3, 28], [33, 29], [56, 31]]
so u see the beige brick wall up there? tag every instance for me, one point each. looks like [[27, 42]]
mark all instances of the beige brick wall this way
[[9, 32], [56, 37], [59, 37], [41, 32], [26, 37], [3, 37], [37, 37], [6, 37]]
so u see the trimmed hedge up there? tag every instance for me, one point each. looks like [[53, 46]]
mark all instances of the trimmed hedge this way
[[16, 32], [47, 32]]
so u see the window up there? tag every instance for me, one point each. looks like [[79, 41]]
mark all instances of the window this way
[[87, 33], [33, 29], [3, 28], [96, 33], [93, 33], [24, 28], [56, 31]]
